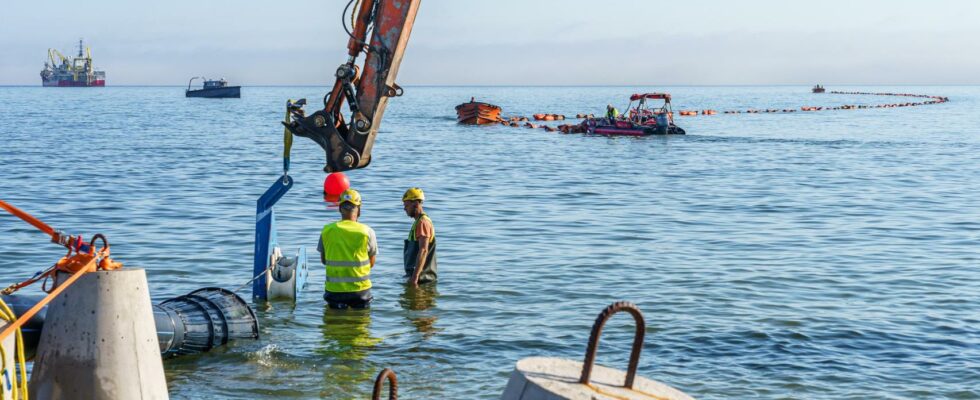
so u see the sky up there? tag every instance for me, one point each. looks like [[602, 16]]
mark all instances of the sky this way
[[511, 42]]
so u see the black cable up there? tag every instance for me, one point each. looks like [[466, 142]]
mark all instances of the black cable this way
[[343, 20]]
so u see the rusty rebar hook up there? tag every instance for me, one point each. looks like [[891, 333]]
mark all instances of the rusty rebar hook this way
[[97, 236], [379, 382], [600, 321]]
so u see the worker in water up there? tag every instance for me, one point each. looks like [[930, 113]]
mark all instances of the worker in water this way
[[347, 250], [420, 247], [611, 112]]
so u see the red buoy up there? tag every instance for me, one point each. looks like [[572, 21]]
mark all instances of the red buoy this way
[[335, 184]]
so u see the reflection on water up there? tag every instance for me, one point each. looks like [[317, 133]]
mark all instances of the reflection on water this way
[[419, 298], [417, 301], [346, 343]]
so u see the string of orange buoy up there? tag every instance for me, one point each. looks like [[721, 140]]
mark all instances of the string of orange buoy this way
[[548, 117], [518, 120], [525, 122], [932, 100]]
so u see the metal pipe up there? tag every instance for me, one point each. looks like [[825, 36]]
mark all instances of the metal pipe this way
[[189, 324]]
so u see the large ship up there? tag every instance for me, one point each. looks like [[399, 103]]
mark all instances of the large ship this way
[[66, 71]]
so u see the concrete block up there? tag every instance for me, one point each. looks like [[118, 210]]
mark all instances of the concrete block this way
[[548, 378], [99, 342]]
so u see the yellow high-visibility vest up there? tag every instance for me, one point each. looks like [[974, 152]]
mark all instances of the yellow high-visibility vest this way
[[345, 248]]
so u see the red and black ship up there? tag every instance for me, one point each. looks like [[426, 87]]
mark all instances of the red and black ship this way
[[67, 71]]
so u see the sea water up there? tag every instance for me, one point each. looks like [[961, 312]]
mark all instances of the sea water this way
[[819, 255]]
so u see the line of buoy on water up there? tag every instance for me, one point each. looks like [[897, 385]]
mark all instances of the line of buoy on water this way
[[935, 100], [543, 117], [563, 128], [521, 121], [942, 99], [549, 117]]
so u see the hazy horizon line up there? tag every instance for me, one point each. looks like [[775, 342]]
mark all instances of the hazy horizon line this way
[[543, 86]]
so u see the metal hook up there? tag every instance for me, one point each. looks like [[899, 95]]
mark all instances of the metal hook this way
[[105, 243], [600, 321], [379, 382]]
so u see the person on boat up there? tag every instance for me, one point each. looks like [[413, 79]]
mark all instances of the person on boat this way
[[347, 250], [611, 112], [420, 247]]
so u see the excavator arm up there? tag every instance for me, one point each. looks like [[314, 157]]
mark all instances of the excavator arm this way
[[365, 90], [347, 142]]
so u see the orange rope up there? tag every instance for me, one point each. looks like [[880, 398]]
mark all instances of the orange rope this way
[[30, 281], [78, 264], [23, 318], [27, 218]]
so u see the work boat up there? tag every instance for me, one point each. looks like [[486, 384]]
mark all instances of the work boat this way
[[213, 89], [477, 113], [640, 120]]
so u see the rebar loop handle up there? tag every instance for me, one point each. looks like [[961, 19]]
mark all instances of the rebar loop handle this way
[[379, 382], [600, 321]]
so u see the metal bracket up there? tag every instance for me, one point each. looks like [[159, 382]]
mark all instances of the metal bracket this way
[[320, 127], [394, 90]]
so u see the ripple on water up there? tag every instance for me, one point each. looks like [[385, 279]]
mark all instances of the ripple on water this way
[[823, 255]]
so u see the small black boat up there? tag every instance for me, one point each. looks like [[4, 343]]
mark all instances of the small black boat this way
[[213, 89]]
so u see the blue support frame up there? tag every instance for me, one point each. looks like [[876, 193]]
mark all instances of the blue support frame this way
[[265, 233]]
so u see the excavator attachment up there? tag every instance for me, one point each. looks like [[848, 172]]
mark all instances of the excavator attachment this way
[[348, 142]]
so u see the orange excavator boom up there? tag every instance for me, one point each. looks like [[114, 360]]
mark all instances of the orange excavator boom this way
[[365, 90]]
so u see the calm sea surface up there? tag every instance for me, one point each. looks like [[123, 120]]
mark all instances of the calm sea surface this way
[[811, 255]]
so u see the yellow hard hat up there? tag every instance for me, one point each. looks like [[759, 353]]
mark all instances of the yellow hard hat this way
[[413, 194], [350, 196]]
